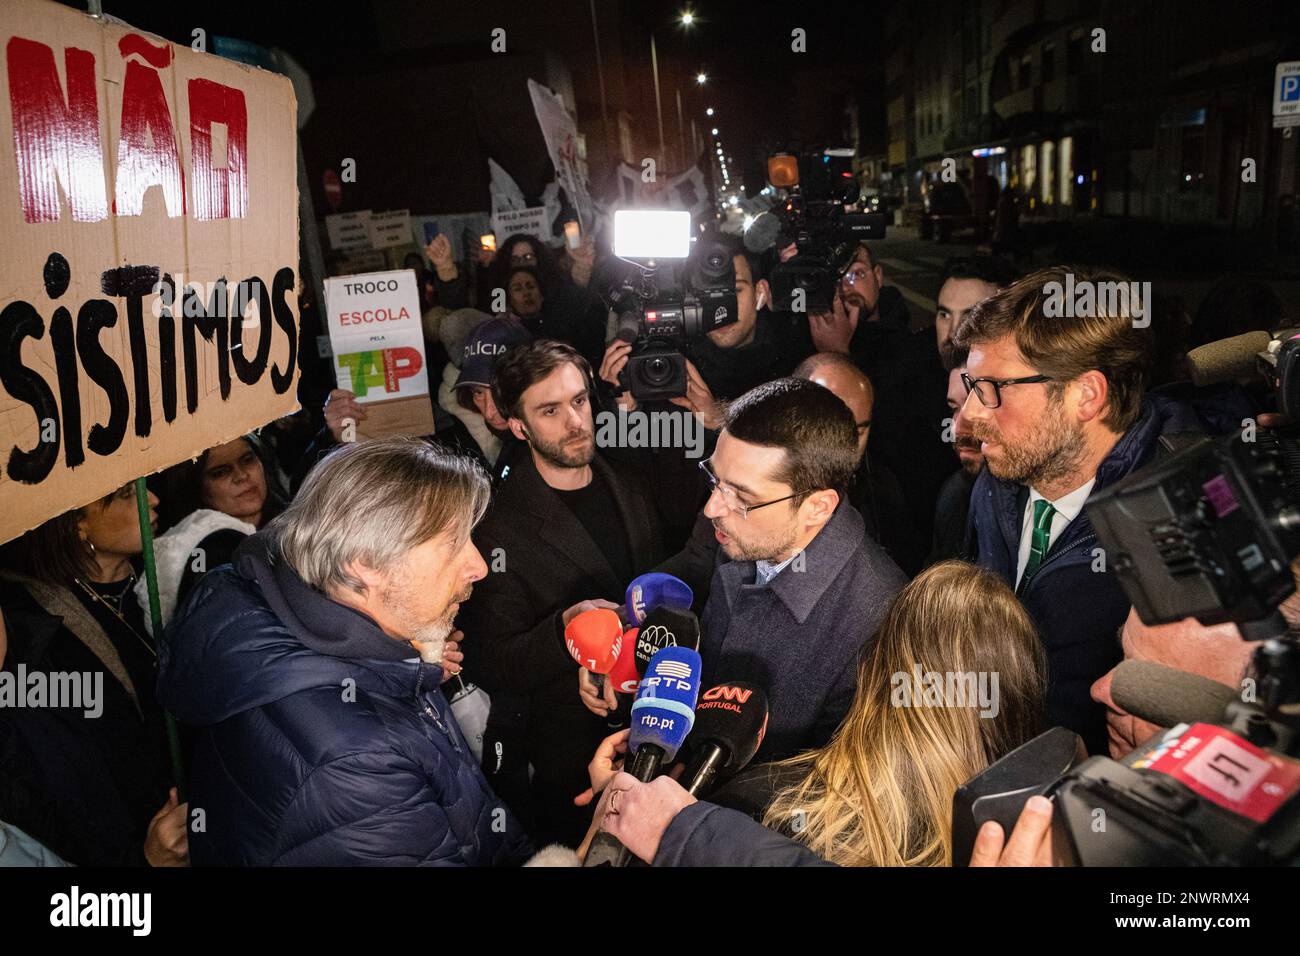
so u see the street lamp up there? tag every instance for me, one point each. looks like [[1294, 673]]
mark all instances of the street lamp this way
[[685, 19], [709, 111], [701, 78]]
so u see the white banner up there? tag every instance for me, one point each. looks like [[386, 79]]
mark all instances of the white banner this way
[[562, 144]]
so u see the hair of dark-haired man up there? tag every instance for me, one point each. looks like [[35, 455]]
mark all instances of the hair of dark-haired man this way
[[991, 269], [526, 365], [809, 422]]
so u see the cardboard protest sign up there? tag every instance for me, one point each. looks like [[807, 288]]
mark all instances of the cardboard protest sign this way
[[149, 249], [378, 343]]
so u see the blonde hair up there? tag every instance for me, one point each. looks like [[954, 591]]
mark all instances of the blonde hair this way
[[373, 501], [880, 792]]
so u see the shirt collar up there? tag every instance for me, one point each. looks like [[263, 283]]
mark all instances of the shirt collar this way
[[1068, 505]]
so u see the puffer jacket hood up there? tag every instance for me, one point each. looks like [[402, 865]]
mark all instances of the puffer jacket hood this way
[[269, 637]]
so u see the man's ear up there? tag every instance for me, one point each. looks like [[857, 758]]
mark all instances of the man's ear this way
[[819, 506], [370, 579], [764, 294], [880, 274], [518, 428], [1092, 389]]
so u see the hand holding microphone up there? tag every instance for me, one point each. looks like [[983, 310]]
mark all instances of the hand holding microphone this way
[[604, 766], [637, 814], [594, 639], [662, 715]]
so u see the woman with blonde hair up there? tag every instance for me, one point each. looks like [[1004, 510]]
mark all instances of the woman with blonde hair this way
[[954, 679]]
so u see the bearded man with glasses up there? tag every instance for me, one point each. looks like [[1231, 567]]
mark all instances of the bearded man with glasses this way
[[802, 589], [1059, 406]]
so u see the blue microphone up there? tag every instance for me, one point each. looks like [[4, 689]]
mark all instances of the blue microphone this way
[[664, 710], [662, 715], [656, 589]]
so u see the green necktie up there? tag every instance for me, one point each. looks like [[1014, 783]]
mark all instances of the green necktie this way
[[1042, 537]]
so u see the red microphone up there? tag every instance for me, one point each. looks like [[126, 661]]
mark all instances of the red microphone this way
[[624, 673], [594, 639]]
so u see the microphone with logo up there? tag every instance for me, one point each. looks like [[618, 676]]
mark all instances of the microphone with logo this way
[[662, 715], [655, 590], [595, 639], [665, 627], [730, 721]]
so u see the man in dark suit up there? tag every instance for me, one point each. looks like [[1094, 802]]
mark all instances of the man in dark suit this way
[[566, 531]]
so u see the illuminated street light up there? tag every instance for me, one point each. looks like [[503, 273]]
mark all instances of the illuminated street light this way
[[700, 78], [709, 111]]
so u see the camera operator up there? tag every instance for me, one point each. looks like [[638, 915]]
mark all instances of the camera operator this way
[[1058, 403], [720, 366]]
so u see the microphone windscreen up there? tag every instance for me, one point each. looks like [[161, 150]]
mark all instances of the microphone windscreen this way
[[595, 639], [1227, 359], [665, 627], [664, 709], [733, 716], [654, 590], [1165, 696], [762, 232], [628, 327], [624, 675]]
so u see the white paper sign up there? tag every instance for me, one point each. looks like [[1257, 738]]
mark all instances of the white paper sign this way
[[533, 222], [388, 229], [377, 336]]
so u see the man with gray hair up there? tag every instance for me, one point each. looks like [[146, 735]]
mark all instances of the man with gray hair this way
[[310, 671]]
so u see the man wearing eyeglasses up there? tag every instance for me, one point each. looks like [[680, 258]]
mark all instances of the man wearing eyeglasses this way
[[1057, 403], [802, 589]]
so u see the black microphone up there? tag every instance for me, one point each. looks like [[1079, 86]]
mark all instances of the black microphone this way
[[665, 627], [999, 792], [730, 721], [1165, 696]]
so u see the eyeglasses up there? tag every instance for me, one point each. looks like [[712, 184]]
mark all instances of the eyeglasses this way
[[856, 276], [863, 426], [524, 259], [989, 390], [729, 494]]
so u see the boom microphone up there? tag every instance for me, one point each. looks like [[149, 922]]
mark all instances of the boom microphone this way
[[1227, 359], [730, 720], [656, 589], [665, 627], [762, 232], [595, 639], [1165, 696]]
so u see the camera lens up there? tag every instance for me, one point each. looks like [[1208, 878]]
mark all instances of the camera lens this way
[[656, 370]]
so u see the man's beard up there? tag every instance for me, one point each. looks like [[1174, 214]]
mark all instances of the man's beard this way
[[1052, 450], [432, 636], [765, 550], [867, 309], [563, 454]]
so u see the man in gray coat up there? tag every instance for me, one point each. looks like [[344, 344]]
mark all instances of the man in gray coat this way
[[804, 588]]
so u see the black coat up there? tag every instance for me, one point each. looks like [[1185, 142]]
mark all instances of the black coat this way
[[542, 561], [85, 787]]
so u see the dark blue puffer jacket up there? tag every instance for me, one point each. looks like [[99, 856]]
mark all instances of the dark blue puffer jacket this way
[[308, 758], [1078, 610]]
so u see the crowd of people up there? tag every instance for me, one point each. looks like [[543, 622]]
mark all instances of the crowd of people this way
[[364, 646]]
